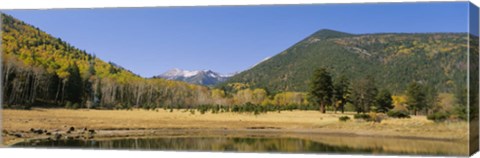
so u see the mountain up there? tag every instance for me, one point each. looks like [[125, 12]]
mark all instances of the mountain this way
[[200, 77], [45, 71], [393, 59]]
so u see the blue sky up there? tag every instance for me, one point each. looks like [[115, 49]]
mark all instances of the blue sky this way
[[150, 41]]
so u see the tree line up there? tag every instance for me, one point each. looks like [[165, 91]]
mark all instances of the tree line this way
[[365, 96]]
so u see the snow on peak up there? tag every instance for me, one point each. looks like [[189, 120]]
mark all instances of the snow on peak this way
[[187, 73], [176, 72]]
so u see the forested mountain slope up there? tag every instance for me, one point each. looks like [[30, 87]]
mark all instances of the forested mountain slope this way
[[394, 60], [39, 69]]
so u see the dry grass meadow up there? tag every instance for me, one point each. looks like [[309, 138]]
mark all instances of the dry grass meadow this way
[[286, 122]]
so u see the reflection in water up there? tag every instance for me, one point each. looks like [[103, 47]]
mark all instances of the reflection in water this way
[[216, 144]]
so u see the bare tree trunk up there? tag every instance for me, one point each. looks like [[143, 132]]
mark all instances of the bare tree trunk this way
[[139, 90], [6, 80], [25, 90], [6, 74], [58, 91], [335, 108], [63, 90], [343, 107], [322, 108], [32, 89]]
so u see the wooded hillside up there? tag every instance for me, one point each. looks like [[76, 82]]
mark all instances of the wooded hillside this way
[[394, 60], [42, 70]]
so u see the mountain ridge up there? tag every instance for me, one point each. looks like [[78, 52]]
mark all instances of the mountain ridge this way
[[389, 57]]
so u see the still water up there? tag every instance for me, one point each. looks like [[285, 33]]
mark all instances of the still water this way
[[232, 144]]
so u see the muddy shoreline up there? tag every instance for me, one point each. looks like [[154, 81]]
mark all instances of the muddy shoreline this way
[[199, 132]]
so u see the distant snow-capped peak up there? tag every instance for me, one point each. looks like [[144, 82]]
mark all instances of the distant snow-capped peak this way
[[176, 72], [202, 77]]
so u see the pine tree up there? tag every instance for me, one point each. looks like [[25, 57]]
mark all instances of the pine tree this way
[[432, 99], [461, 101], [416, 97], [321, 90], [364, 93], [88, 83], [74, 85], [98, 94], [341, 92], [384, 101]]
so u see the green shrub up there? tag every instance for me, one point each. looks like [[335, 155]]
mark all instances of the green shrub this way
[[438, 116], [398, 114], [461, 112], [147, 107], [76, 106], [343, 118], [119, 106], [19, 107], [127, 106], [68, 105], [362, 116], [192, 111]]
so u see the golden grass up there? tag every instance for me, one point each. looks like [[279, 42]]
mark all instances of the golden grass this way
[[394, 145], [291, 121], [114, 119]]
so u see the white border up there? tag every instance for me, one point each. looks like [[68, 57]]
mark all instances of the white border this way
[[58, 4]]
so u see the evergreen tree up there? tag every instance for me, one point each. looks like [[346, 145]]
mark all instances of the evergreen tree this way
[[461, 102], [384, 101], [432, 99], [98, 94], [54, 87], [416, 97], [74, 85], [363, 95], [341, 93], [89, 94], [321, 88]]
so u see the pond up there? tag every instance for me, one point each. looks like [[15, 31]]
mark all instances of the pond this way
[[252, 144]]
